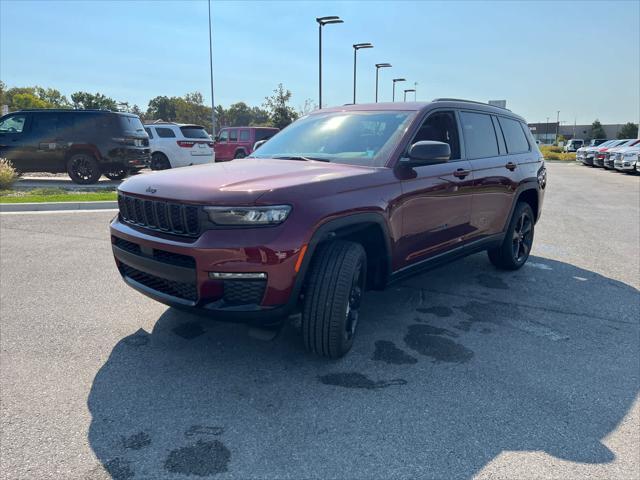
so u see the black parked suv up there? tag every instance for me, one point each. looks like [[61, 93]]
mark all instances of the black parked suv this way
[[83, 143]]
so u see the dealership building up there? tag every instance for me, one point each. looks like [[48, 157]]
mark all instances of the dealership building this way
[[546, 132]]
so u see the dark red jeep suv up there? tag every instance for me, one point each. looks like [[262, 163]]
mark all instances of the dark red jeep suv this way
[[343, 200]]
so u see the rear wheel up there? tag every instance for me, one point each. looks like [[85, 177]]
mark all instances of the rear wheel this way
[[332, 299], [159, 161], [117, 172], [240, 154], [83, 169], [515, 249]]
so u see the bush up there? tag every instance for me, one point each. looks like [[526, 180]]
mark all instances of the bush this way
[[550, 149], [559, 156], [8, 174]]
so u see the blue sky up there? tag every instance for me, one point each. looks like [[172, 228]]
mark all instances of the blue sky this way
[[581, 58]]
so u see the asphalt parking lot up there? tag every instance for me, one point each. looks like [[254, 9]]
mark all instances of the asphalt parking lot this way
[[459, 372]]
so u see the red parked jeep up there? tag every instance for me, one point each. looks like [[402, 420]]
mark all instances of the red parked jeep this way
[[238, 142], [345, 199]]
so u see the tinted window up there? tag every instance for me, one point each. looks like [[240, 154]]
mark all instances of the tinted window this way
[[148, 130], [165, 132], [514, 135], [263, 133], [13, 124], [479, 135], [224, 136], [441, 127], [131, 124], [44, 124], [233, 135], [194, 132], [244, 135]]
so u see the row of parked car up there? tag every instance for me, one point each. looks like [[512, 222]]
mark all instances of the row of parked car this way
[[622, 155], [90, 143]]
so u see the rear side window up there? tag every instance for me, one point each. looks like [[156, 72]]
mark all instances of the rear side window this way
[[148, 130], [194, 132], [233, 135], [165, 132], [130, 124], [513, 135], [479, 135], [244, 135], [44, 124], [13, 124]]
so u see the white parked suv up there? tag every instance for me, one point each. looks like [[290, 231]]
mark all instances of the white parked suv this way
[[626, 159], [178, 145]]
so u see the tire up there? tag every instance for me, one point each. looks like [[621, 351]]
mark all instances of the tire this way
[[240, 154], [83, 169], [159, 161], [516, 247], [332, 298], [117, 172]]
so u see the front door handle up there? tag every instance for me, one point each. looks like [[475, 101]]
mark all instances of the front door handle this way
[[461, 173], [511, 166]]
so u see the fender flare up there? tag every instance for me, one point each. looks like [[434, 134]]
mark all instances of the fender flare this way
[[523, 187]]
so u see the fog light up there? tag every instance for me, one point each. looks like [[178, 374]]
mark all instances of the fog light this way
[[237, 276]]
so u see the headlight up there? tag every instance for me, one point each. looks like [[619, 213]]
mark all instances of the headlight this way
[[271, 215]]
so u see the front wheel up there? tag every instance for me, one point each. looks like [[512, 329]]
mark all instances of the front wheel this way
[[117, 172], [83, 169], [515, 249], [332, 298]]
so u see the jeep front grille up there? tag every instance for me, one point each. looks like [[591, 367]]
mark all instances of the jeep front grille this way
[[160, 215]]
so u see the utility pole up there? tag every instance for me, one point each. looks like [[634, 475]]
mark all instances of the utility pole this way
[[213, 106]]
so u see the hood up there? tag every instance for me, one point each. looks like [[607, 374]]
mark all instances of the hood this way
[[240, 181]]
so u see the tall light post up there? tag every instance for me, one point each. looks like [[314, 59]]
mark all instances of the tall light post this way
[[557, 127], [213, 107], [322, 21], [415, 91], [408, 90], [393, 98], [378, 67], [356, 47], [546, 131]]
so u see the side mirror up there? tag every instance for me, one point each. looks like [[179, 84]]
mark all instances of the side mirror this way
[[427, 152]]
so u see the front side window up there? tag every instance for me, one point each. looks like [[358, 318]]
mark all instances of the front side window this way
[[513, 135], [352, 137], [233, 135], [479, 136], [441, 127], [224, 136], [13, 124], [164, 132]]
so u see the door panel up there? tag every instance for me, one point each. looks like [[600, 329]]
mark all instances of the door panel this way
[[436, 210]]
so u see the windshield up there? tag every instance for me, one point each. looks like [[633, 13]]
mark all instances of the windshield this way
[[356, 138]]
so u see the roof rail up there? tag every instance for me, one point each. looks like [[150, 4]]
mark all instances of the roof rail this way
[[65, 110], [467, 101]]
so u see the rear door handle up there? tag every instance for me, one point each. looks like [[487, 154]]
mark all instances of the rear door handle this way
[[461, 173], [511, 166]]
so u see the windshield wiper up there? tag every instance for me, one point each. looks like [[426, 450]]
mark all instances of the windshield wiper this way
[[300, 157]]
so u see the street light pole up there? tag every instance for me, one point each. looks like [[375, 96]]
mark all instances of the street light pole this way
[[213, 107], [557, 127], [393, 98], [322, 21], [546, 131], [408, 90], [378, 67], [356, 47]]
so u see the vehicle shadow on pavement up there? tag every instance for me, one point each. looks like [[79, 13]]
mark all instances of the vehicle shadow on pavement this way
[[450, 369]]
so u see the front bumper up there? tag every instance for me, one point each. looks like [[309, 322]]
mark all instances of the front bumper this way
[[625, 164], [176, 272]]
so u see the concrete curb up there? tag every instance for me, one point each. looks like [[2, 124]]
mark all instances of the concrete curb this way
[[52, 206]]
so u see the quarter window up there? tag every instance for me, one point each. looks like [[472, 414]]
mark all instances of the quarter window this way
[[165, 132], [479, 136], [148, 130], [13, 124], [514, 135]]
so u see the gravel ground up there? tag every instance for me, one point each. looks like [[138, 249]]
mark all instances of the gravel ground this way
[[460, 372]]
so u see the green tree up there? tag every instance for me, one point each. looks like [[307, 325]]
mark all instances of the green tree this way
[[280, 113], [93, 101], [136, 111], [53, 97], [628, 130], [27, 100], [239, 114], [596, 130], [259, 117]]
